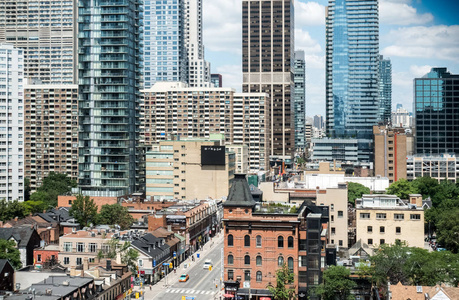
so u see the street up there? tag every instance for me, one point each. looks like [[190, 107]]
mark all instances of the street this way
[[201, 284]]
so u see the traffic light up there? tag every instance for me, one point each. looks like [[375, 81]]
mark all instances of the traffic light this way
[[170, 265]]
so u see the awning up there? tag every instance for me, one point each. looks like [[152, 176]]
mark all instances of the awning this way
[[265, 298], [228, 296]]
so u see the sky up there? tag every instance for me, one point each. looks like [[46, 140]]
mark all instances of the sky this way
[[415, 34]]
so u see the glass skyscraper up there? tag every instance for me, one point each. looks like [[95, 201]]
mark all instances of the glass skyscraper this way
[[174, 48], [352, 68], [436, 107], [299, 99], [109, 81], [385, 90]]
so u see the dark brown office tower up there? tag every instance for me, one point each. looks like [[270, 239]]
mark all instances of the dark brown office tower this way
[[267, 53]]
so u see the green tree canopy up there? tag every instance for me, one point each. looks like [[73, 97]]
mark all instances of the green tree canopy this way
[[356, 190], [401, 188], [448, 229], [446, 190], [129, 257], [53, 185], [12, 209], [84, 210], [111, 214], [336, 284], [426, 186], [8, 251], [284, 289]]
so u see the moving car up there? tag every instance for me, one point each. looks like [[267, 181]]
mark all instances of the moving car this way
[[207, 264], [184, 278]]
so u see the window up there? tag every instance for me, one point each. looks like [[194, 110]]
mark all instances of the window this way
[[230, 275], [78, 261], [259, 260], [290, 242], [340, 214], [247, 241], [258, 240], [80, 247], [381, 229], [259, 277], [290, 263], [381, 241], [140, 263], [398, 230], [415, 217], [333, 231], [399, 216], [340, 242], [246, 275], [280, 242], [332, 207], [230, 240], [230, 259], [67, 246], [39, 258], [92, 247], [280, 261], [370, 241], [364, 215], [370, 229], [302, 276], [381, 216], [247, 260], [66, 260]]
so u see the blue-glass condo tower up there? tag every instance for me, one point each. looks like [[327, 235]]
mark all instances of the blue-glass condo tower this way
[[109, 46]]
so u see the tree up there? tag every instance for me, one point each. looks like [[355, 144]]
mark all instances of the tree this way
[[111, 214], [26, 189], [284, 289], [129, 257], [426, 186], [12, 209], [34, 206], [8, 251], [446, 190], [448, 229], [402, 188], [356, 190], [56, 184], [336, 284], [84, 210]]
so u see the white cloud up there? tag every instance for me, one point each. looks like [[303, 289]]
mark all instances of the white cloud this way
[[222, 21], [303, 41], [309, 14], [419, 71], [231, 76], [401, 13], [440, 42]]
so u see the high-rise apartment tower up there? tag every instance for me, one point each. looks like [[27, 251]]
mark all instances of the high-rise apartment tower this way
[[267, 63], [109, 82], [385, 90], [352, 68], [299, 99], [45, 30]]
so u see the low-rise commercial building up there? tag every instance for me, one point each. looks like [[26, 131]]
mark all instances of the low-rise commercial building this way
[[440, 167], [384, 219]]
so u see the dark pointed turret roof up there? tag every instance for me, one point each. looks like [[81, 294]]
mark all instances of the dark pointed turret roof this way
[[239, 194]]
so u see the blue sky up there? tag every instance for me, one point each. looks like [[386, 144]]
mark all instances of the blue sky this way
[[415, 34]]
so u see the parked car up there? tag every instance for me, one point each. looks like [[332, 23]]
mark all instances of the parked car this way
[[184, 278]]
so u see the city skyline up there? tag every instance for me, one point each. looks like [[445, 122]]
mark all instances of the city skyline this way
[[414, 35]]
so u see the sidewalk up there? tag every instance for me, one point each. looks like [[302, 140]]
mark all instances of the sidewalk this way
[[173, 278]]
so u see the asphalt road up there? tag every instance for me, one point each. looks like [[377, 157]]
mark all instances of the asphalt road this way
[[201, 284]]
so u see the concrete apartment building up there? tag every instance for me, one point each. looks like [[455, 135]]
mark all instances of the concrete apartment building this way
[[241, 154], [259, 241], [384, 219], [46, 31], [390, 152], [79, 245], [51, 131], [11, 123], [441, 167], [178, 170], [172, 108]]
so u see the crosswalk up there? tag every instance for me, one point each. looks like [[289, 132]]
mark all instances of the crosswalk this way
[[189, 291]]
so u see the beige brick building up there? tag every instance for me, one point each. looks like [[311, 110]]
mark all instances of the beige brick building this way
[[383, 219], [172, 109], [174, 171], [390, 152], [51, 131]]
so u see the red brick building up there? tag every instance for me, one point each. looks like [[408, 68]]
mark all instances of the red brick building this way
[[45, 257], [259, 240]]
